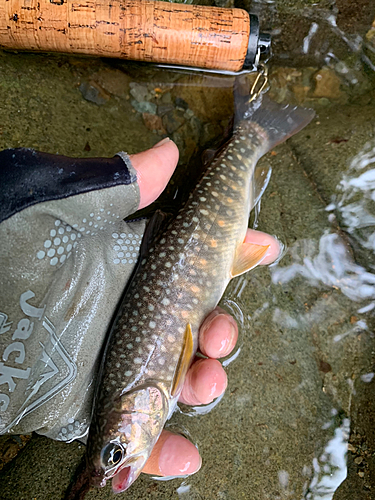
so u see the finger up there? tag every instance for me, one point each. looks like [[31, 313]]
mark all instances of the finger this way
[[264, 239], [218, 334], [173, 455], [154, 169], [205, 381]]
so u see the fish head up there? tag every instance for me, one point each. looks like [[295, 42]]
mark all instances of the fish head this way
[[123, 435]]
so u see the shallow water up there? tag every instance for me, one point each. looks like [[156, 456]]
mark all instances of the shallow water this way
[[297, 417]]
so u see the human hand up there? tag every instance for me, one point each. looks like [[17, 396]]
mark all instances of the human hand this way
[[62, 242]]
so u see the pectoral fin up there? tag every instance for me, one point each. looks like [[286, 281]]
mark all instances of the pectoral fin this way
[[183, 362], [248, 256]]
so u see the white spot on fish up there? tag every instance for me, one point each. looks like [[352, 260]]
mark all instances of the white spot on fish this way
[[129, 346], [243, 150], [168, 264], [230, 157], [161, 361], [162, 254], [151, 307], [152, 324], [165, 302], [137, 361], [204, 212], [128, 373]]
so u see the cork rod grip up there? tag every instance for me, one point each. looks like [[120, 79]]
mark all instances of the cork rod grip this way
[[143, 30]]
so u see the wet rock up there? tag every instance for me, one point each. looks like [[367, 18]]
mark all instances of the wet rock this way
[[285, 81], [153, 122], [181, 104], [164, 108], [354, 17], [144, 106], [139, 92], [189, 114], [10, 446], [114, 81], [327, 84], [93, 92], [166, 98], [173, 120]]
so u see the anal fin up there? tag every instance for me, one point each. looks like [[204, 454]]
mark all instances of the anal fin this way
[[247, 257], [184, 361]]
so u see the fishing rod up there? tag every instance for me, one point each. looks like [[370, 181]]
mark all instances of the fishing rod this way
[[223, 39]]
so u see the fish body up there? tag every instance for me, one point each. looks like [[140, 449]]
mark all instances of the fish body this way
[[155, 335]]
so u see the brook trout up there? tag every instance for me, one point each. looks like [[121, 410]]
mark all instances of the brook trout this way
[[155, 334]]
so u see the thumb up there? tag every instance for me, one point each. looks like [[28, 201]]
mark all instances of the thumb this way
[[154, 169]]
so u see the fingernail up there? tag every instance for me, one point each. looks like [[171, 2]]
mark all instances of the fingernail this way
[[178, 457], [160, 143], [222, 343], [227, 344]]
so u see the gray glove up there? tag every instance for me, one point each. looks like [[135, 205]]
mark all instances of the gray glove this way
[[66, 255]]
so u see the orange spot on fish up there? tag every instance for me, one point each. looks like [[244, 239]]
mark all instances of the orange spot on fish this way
[[213, 243], [195, 289], [221, 223], [230, 200], [185, 314], [203, 262]]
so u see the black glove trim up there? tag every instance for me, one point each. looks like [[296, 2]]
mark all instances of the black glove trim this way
[[28, 177]]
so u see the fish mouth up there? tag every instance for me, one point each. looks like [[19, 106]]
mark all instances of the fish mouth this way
[[126, 476], [122, 480]]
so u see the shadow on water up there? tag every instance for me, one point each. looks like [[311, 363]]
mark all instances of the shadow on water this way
[[297, 417]]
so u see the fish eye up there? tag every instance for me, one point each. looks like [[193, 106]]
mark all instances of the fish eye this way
[[117, 456], [112, 454]]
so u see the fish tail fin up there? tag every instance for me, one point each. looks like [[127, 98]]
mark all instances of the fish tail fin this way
[[278, 121]]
